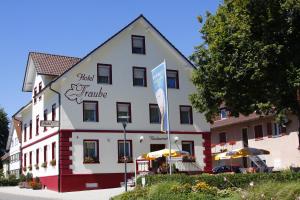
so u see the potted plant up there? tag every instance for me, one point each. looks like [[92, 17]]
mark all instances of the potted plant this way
[[36, 184], [44, 165], [188, 158], [53, 162], [89, 160], [30, 167], [36, 166], [28, 180]]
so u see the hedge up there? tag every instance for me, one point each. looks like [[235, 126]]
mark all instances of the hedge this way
[[223, 181], [9, 182]]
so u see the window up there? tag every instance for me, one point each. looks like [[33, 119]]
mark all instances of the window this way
[[25, 130], [30, 158], [258, 131], [186, 115], [53, 112], [279, 129], [188, 146], [45, 118], [104, 74], [34, 94], [53, 150], [37, 125], [37, 156], [30, 129], [222, 138], [90, 151], [25, 160], [139, 76], [269, 129], [90, 111], [45, 154], [138, 44], [128, 151], [223, 113], [172, 79], [155, 116], [123, 111], [40, 86]]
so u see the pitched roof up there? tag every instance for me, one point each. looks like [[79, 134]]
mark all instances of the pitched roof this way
[[49, 64]]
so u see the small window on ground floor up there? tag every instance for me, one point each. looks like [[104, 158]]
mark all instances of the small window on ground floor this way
[[90, 151]]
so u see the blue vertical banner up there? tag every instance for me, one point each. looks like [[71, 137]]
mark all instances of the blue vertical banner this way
[[159, 84]]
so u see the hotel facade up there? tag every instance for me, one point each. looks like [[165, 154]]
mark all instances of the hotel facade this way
[[86, 99]]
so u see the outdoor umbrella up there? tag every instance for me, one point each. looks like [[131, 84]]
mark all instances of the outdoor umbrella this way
[[165, 152], [239, 153]]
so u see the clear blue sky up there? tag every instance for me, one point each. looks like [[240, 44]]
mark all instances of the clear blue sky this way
[[75, 27]]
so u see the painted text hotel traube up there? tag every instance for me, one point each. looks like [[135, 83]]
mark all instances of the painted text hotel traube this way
[[89, 96]]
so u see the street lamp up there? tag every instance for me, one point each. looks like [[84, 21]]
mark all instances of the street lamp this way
[[124, 120]]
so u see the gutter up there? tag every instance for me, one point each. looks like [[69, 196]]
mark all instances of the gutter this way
[[58, 146]]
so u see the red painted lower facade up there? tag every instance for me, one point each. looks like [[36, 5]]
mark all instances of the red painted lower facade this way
[[50, 182], [78, 182], [67, 181]]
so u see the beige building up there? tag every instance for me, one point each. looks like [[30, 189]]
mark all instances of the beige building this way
[[255, 131]]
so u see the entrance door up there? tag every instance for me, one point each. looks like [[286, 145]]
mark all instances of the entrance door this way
[[245, 144], [157, 147]]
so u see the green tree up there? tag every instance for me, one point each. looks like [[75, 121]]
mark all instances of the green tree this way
[[249, 59], [3, 131]]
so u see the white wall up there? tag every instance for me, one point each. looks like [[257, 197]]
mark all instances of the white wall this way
[[118, 53], [108, 150]]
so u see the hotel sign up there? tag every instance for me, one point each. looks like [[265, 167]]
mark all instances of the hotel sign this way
[[158, 138], [79, 91], [47, 123]]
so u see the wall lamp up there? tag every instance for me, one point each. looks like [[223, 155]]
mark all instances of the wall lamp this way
[[141, 139]]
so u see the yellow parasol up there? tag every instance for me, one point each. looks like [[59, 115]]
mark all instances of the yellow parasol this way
[[239, 153]]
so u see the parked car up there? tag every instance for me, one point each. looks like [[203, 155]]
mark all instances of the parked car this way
[[226, 168]]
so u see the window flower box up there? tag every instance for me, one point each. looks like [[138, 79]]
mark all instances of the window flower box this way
[[36, 166], [24, 169], [90, 160], [232, 142], [125, 158], [53, 162], [44, 165], [30, 167], [188, 159]]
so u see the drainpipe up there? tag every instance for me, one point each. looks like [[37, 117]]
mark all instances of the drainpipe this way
[[58, 146]]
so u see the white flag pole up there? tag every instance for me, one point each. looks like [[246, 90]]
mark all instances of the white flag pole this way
[[168, 121]]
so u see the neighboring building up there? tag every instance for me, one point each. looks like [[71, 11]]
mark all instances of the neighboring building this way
[[5, 165], [12, 162], [259, 132], [89, 97]]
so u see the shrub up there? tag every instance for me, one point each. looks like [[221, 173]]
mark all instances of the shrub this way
[[223, 181], [22, 178], [28, 177]]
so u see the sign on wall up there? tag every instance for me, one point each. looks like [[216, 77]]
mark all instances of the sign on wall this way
[[47, 123], [81, 91]]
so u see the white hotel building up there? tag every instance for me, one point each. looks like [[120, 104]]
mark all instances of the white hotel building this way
[[88, 96]]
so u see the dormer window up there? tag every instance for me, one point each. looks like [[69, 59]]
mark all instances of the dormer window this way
[[138, 44], [223, 113]]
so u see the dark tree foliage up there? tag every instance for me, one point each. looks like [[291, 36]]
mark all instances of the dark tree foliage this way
[[250, 59], [3, 131]]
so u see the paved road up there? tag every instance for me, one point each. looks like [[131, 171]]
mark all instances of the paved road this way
[[6, 196]]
